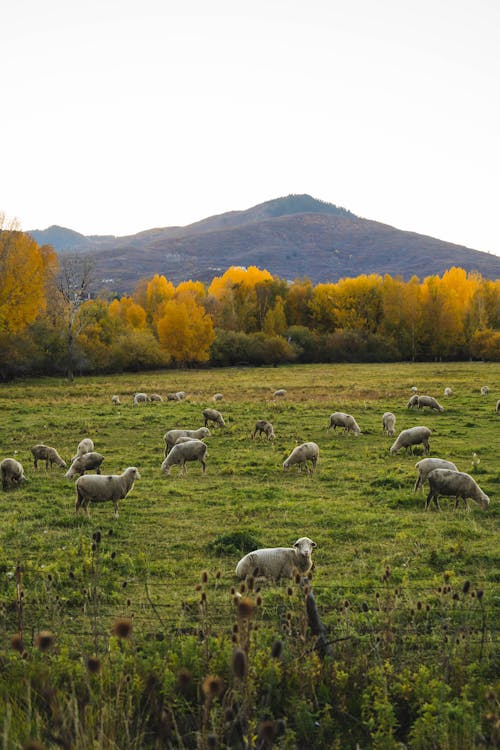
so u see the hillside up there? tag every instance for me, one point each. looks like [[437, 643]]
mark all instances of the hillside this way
[[292, 237]]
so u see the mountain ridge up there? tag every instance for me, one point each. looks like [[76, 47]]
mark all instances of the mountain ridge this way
[[292, 236]]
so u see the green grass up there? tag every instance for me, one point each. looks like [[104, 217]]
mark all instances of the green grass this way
[[359, 506]]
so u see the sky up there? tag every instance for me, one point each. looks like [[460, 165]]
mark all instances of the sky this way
[[120, 116]]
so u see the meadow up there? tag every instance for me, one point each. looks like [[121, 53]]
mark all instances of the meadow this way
[[143, 613]]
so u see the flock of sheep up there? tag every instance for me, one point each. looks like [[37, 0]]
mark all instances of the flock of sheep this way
[[184, 445]]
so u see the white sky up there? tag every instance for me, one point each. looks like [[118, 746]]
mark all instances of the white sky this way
[[123, 115]]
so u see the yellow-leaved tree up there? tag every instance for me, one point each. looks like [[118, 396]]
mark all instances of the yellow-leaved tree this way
[[185, 330]]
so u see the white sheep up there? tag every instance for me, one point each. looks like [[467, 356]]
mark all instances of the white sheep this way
[[212, 415], [388, 423], [84, 446], [423, 401], [301, 455], [115, 400], [278, 562], [155, 397], [217, 397], [426, 465], [279, 393], [172, 397], [485, 390], [448, 391], [84, 463], [262, 426], [190, 450], [181, 395], [99, 488], [412, 402], [410, 437], [339, 419], [140, 398], [46, 453], [171, 436], [456, 484], [414, 389], [12, 472]]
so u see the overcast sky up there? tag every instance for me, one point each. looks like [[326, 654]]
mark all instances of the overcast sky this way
[[120, 115]]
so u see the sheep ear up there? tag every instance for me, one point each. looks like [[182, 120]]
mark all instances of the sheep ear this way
[[314, 544]]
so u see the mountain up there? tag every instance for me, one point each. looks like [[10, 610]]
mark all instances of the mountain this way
[[291, 237]]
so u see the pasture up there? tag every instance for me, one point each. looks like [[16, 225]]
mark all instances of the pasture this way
[[385, 571]]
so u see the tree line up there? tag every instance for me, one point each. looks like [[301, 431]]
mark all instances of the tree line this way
[[50, 323]]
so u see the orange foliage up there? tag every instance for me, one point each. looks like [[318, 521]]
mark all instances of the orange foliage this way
[[128, 311], [185, 330], [247, 277]]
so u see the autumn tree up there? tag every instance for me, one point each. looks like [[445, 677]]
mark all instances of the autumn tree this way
[[128, 311], [73, 284], [297, 303], [233, 298], [158, 292], [185, 331]]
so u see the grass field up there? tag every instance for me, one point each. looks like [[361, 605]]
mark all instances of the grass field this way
[[380, 558]]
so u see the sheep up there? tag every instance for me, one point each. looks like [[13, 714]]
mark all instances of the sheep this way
[[180, 395], [485, 390], [84, 446], [414, 389], [278, 562], [115, 400], [155, 397], [339, 419], [388, 423], [12, 472], [172, 397], [457, 484], [212, 415], [410, 437], [497, 407], [448, 391], [412, 402], [84, 463], [301, 455], [140, 398], [426, 465], [171, 436], [279, 393], [263, 426], [217, 397], [49, 455], [429, 401], [99, 488], [191, 450]]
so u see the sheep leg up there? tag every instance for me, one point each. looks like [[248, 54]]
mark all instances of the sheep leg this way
[[204, 465], [115, 504], [35, 463]]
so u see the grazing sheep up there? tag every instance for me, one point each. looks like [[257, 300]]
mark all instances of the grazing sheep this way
[[217, 397], [180, 395], [279, 393], [456, 484], [155, 397], [12, 472], [429, 401], [426, 465], [172, 397], [414, 388], [339, 419], [497, 407], [46, 453], [410, 437], [448, 391], [278, 562], [84, 463], [190, 450], [388, 423], [115, 400], [84, 446], [485, 390], [212, 415], [171, 436], [412, 402], [99, 488], [140, 398], [263, 426], [301, 455]]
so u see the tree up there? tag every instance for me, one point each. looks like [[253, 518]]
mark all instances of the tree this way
[[185, 331], [73, 287]]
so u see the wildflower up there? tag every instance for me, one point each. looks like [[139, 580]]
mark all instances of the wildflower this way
[[93, 664], [246, 607], [204, 577], [277, 649], [267, 733], [122, 628], [239, 663], [466, 587], [212, 687], [16, 643], [184, 678], [479, 594]]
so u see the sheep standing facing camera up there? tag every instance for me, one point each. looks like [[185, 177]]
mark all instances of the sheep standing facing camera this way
[[388, 423], [278, 562]]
